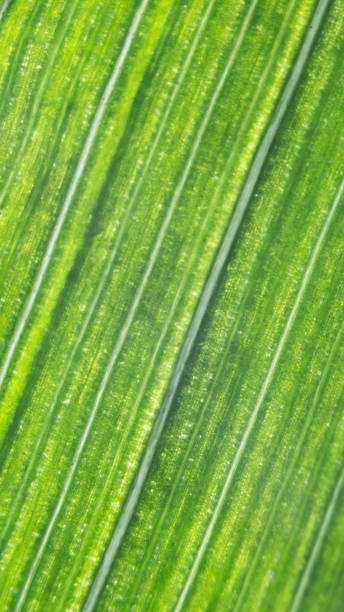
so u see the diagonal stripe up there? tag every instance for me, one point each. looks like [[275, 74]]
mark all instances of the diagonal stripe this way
[[260, 400], [213, 203], [289, 472], [208, 291], [38, 99], [318, 544], [134, 306], [71, 192], [90, 140], [107, 269], [3, 8]]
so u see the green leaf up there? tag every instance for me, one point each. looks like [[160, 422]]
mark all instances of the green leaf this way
[[171, 322]]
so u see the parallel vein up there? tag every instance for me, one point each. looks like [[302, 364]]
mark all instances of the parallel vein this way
[[71, 192], [107, 270], [207, 293], [260, 400], [133, 309]]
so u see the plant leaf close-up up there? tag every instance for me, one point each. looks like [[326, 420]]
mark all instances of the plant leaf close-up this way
[[171, 305]]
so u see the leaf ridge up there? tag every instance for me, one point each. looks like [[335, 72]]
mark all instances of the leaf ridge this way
[[191, 441], [3, 8], [204, 300], [259, 402], [38, 99], [318, 544], [81, 165], [108, 266], [140, 290], [71, 192], [291, 466], [134, 306]]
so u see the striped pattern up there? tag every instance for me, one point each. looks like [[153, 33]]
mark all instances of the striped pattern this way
[[171, 197]]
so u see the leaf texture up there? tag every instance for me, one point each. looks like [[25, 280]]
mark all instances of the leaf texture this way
[[171, 322]]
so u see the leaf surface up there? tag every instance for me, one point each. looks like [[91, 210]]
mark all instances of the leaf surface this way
[[171, 322]]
